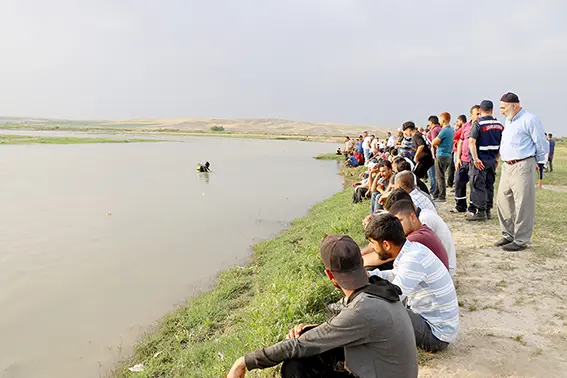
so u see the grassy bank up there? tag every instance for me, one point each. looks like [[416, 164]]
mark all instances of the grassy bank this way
[[26, 139], [254, 305]]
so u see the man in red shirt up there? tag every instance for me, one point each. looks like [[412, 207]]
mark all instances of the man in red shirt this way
[[462, 166], [461, 120], [416, 231]]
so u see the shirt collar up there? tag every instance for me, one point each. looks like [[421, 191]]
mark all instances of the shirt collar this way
[[520, 113]]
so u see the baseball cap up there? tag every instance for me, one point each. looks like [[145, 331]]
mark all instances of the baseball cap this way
[[486, 105], [510, 97], [341, 255]]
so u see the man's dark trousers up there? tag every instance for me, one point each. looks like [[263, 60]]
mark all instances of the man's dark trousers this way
[[451, 174], [442, 163], [461, 181], [482, 185]]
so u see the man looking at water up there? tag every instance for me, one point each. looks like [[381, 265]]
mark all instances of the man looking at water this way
[[523, 144], [349, 146], [366, 146], [432, 220], [443, 143], [371, 337], [463, 166], [423, 156], [406, 181], [484, 142], [381, 185], [432, 301], [434, 130]]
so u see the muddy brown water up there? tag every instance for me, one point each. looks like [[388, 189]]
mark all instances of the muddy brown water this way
[[99, 241]]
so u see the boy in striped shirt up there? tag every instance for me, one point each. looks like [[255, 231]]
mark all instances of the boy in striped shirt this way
[[432, 301]]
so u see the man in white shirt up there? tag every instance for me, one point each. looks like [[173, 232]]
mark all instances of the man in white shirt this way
[[391, 140], [366, 146]]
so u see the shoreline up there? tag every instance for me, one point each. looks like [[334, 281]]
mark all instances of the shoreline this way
[[278, 285], [13, 139], [510, 326]]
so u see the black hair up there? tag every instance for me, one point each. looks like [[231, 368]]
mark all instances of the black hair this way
[[385, 163], [477, 107], [402, 207], [463, 118], [433, 119], [550, 135], [207, 164], [408, 125], [395, 196], [401, 164], [387, 227], [394, 151]]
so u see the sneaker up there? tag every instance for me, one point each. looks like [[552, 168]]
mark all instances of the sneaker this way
[[469, 214], [513, 247], [478, 217], [502, 242], [455, 210], [439, 200]]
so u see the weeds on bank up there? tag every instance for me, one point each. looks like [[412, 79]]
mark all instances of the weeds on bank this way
[[252, 306]]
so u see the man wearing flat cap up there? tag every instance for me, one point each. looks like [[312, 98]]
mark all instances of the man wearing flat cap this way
[[371, 337], [523, 145]]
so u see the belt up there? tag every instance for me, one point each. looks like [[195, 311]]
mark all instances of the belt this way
[[512, 162]]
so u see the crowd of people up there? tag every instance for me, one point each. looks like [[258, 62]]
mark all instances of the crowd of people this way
[[399, 288]]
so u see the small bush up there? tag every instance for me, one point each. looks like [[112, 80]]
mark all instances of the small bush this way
[[217, 128]]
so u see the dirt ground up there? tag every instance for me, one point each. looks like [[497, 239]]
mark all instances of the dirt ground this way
[[513, 308]]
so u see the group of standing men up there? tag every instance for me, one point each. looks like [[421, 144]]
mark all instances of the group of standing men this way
[[520, 144], [390, 310]]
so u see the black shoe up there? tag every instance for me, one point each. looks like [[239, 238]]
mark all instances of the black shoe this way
[[502, 242], [488, 215], [513, 247], [478, 217], [456, 210]]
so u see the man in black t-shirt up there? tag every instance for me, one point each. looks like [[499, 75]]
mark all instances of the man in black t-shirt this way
[[423, 156]]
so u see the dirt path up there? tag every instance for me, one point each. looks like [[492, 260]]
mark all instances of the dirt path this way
[[513, 308]]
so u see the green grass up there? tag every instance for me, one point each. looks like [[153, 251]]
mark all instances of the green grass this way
[[330, 157], [25, 139], [252, 306]]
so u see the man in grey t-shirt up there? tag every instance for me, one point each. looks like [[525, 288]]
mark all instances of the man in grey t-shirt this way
[[371, 337]]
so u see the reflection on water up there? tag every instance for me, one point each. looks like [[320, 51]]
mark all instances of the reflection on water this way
[[203, 177], [78, 287]]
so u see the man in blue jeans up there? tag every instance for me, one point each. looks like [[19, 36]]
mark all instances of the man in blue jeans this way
[[443, 144]]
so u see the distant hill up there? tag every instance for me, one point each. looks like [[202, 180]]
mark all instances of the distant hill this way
[[242, 125]]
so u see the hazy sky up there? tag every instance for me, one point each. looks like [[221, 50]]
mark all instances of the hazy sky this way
[[366, 62]]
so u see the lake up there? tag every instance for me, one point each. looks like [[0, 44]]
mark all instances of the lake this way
[[99, 241]]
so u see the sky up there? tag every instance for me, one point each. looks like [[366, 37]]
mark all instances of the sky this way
[[363, 62]]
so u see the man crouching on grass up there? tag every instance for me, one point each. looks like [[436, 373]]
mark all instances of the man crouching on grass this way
[[371, 337]]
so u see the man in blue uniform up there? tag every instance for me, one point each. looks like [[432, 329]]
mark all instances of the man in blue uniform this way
[[484, 146]]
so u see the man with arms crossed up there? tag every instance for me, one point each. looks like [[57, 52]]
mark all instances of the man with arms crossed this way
[[371, 337], [523, 144], [423, 157]]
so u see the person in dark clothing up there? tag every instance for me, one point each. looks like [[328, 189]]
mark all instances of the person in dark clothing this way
[[484, 147], [203, 167], [423, 156], [371, 337], [551, 152]]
